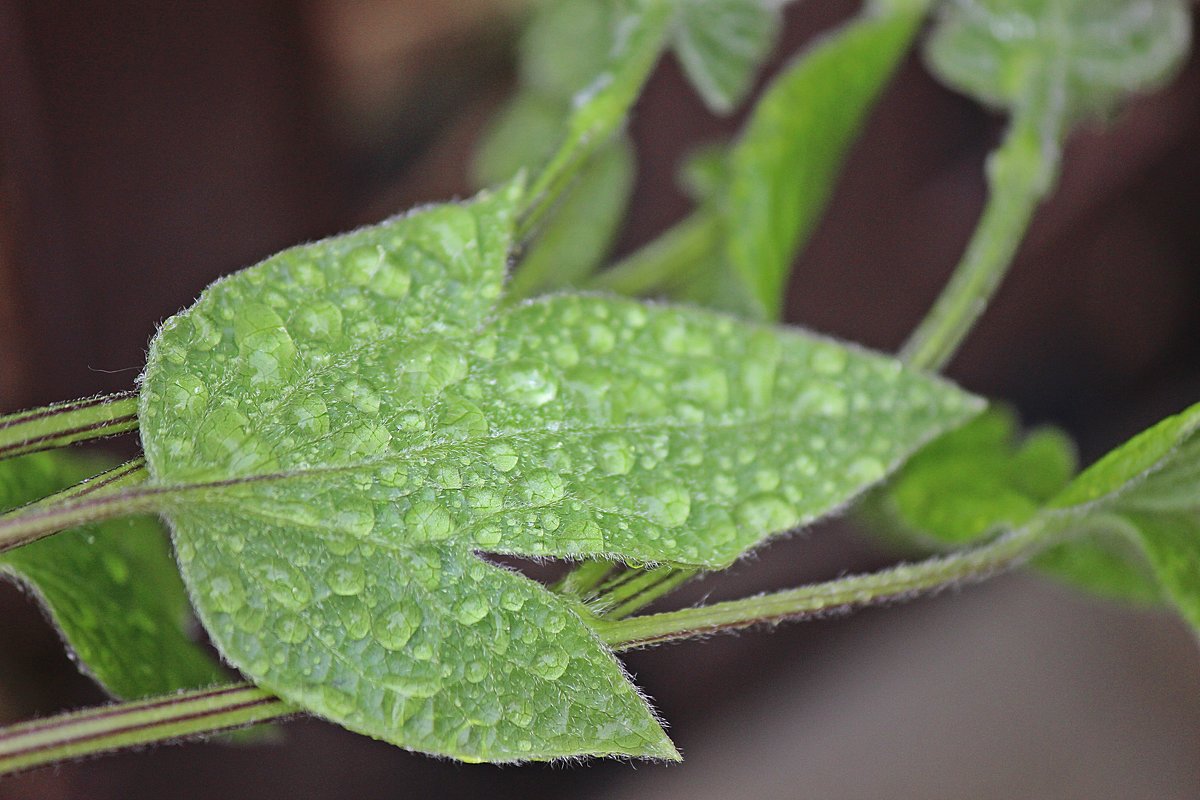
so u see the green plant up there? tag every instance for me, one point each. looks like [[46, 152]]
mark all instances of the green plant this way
[[334, 435]]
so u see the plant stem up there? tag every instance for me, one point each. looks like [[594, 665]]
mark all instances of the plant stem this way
[[663, 260], [1021, 173], [902, 582], [106, 496], [62, 424], [583, 578], [601, 110], [638, 594], [123, 725]]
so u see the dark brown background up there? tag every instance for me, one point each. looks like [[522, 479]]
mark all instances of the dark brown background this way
[[148, 147]]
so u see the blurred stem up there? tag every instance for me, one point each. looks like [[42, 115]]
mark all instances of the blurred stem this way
[[1021, 172], [663, 260], [67, 423], [601, 113]]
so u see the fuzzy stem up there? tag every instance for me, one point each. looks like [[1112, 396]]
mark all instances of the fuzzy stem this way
[[63, 424], [123, 725], [1021, 172], [902, 582]]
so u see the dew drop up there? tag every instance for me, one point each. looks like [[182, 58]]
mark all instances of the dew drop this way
[[392, 281], [429, 521], [291, 629], [346, 579], [206, 334], [667, 504], [828, 360], [488, 536], [528, 383], [396, 625], [471, 610], [512, 600], [320, 321], [360, 264], [286, 585], [865, 470], [614, 456], [476, 671], [188, 395], [551, 664], [502, 456], [766, 513], [543, 487], [225, 592]]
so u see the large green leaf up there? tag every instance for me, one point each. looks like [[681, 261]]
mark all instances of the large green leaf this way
[[1149, 489], [784, 166], [354, 420], [722, 43], [112, 588], [1096, 51]]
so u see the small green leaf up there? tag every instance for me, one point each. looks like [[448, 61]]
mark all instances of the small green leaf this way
[[982, 478], [1100, 51], [783, 168], [352, 421], [722, 43], [112, 589], [1149, 489], [978, 479]]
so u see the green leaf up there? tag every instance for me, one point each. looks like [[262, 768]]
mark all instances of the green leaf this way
[[784, 166], [1149, 490], [568, 44], [112, 588], [722, 43], [984, 477], [1099, 51], [351, 422], [978, 479]]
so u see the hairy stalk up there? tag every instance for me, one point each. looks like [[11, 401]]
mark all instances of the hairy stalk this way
[[583, 579], [601, 113], [652, 586], [67, 423], [899, 583], [1021, 172], [108, 495], [123, 725]]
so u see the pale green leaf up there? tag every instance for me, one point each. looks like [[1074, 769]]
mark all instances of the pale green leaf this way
[[978, 479], [1149, 489], [357, 421], [112, 588], [984, 478], [722, 43], [784, 166], [1098, 51]]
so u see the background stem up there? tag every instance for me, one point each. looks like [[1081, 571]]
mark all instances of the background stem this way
[[67, 423], [123, 725], [1020, 173]]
